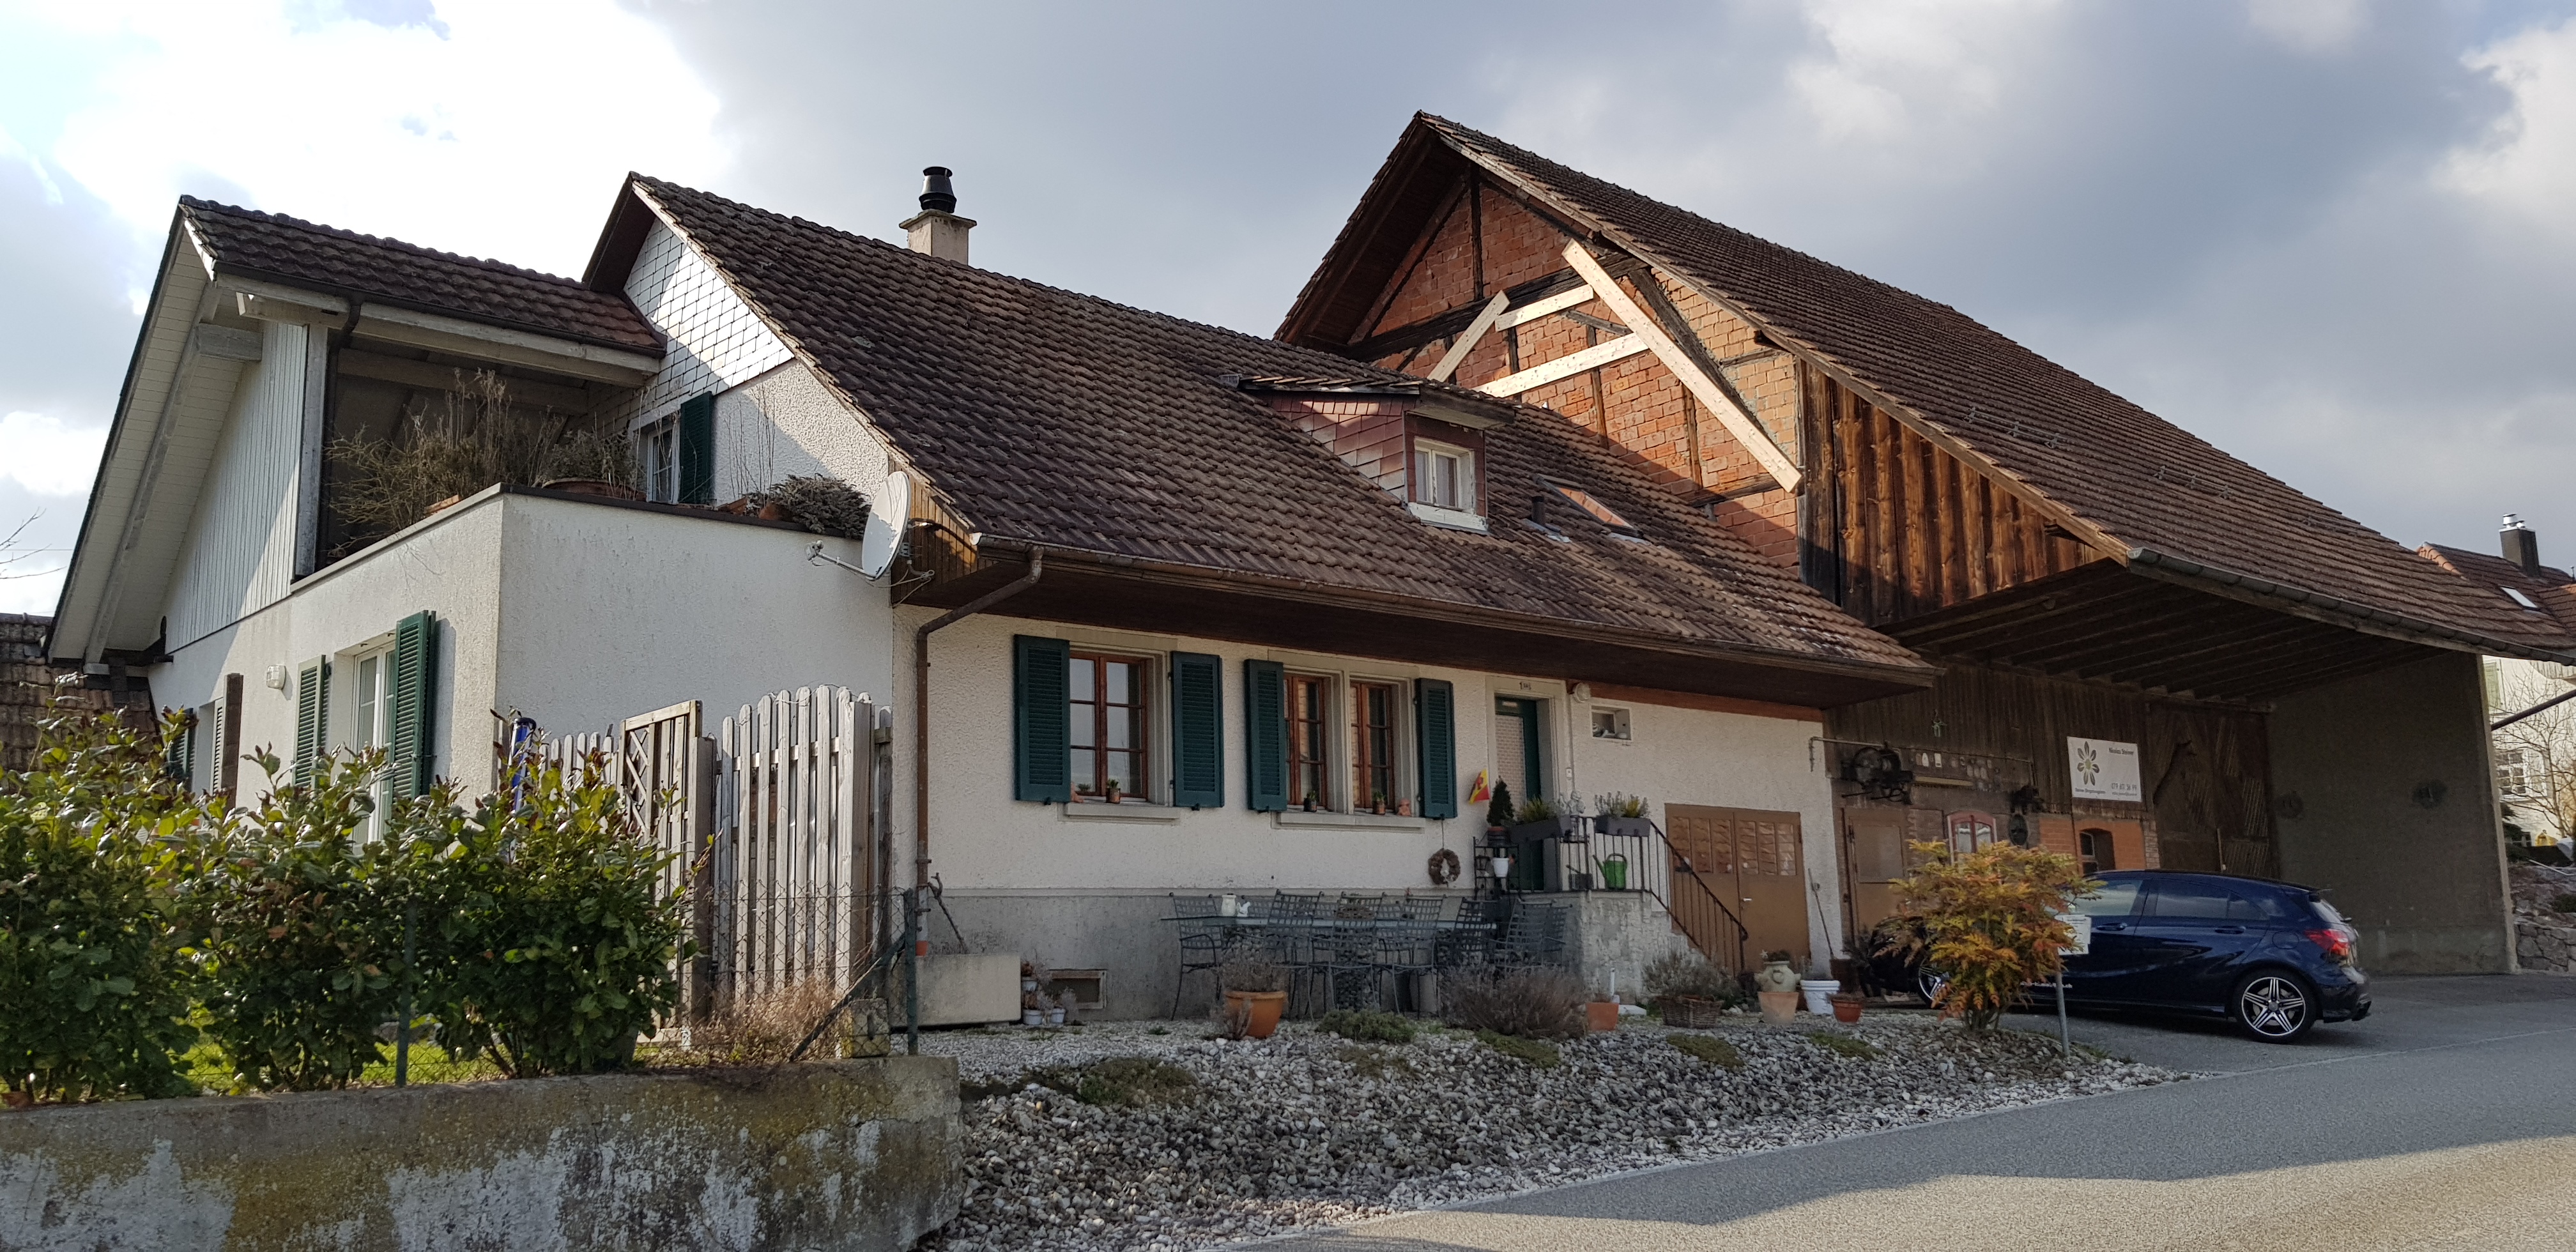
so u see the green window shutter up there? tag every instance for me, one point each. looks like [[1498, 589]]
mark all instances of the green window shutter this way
[[1265, 736], [179, 752], [312, 715], [413, 694], [1041, 720], [1198, 731], [1435, 735], [698, 450]]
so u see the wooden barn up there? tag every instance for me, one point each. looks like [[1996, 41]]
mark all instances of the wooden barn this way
[[2153, 654]]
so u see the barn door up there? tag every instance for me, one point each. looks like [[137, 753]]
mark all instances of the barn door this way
[[1874, 857]]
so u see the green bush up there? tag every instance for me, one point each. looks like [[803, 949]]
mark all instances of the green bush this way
[[93, 993], [1534, 1003], [1367, 1026], [298, 927], [552, 953]]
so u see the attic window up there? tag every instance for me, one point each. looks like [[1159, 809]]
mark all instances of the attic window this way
[[1441, 485], [1587, 502], [2519, 598]]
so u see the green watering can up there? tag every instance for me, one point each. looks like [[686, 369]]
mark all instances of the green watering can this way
[[1614, 872]]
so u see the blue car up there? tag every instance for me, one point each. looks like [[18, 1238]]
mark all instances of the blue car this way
[[2272, 957]]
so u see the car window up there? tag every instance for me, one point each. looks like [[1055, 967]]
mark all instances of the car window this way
[[2115, 899], [2199, 898]]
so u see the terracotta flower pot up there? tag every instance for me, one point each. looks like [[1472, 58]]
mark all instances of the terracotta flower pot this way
[[1601, 1015], [1847, 1008], [1779, 1007], [1265, 1007]]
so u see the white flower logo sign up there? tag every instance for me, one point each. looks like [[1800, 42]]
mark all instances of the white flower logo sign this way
[[2103, 769]]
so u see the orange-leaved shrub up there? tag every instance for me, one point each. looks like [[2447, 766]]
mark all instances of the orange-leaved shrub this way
[[1989, 921]]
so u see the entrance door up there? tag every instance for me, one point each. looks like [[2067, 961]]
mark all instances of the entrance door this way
[[1756, 861], [1516, 753]]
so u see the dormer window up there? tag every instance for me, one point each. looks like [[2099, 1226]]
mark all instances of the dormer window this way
[[1592, 504], [1442, 486], [2521, 599]]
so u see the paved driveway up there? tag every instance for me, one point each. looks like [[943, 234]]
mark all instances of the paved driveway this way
[[2447, 1120]]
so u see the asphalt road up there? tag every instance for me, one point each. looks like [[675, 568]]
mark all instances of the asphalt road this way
[[2446, 1120]]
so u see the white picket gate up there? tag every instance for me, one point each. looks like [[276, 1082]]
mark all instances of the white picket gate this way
[[799, 784]]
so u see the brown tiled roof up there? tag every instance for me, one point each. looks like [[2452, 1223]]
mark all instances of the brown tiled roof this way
[[1053, 418], [2554, 590], [2139, 479], [281, 249]]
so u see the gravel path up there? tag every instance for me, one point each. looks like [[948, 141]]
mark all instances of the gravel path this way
[[1307, 1129]]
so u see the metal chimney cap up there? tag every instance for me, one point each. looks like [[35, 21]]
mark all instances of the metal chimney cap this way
[[936, 194], [2513, 521]]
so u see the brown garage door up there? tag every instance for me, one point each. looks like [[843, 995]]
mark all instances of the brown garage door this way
[[1756, 861]]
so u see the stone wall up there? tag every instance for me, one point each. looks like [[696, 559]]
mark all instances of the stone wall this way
[[858, 1154], [2544, 939]]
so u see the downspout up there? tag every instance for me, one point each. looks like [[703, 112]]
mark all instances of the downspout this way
[[921, 710]]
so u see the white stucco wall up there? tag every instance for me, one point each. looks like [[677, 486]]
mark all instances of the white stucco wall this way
[[786, 422], [984, 843], [573, 612]]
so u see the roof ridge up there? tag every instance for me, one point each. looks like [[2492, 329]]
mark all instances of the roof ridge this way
[[1326, 363], [202, 205]]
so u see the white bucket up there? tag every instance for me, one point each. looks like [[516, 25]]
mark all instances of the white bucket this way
[[1820, 994]]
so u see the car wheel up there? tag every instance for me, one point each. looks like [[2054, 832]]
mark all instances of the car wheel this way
[[2275, 1006], [1930, 981]]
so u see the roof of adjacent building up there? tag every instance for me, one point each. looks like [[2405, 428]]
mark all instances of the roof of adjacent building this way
[[1058, 419], [250, 244], [2552, 590], [2140, 482]]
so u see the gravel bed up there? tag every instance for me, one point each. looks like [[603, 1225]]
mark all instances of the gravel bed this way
[[1307, 1129]]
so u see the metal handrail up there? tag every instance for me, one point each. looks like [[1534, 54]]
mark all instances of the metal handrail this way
[[1682, 862]]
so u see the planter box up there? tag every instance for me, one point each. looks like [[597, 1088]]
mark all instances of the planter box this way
[[1625, 827]]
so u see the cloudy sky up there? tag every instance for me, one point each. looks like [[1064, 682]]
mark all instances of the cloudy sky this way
[[2335, 237]]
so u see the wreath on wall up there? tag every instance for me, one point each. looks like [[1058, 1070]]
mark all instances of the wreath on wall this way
[[1444, 868]]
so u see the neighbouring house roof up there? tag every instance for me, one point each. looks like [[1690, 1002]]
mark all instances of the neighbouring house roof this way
[[2553, 590], [1056, 419], [2148, 491], [247, 243]]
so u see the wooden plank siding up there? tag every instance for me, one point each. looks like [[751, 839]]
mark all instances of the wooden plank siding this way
[[1906, 528]]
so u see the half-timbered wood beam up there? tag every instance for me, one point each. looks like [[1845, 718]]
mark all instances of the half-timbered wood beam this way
[[1712, 397], [1568, 365], [1457, 354]]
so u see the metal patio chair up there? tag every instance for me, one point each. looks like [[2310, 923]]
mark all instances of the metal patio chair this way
[[1204, 942]]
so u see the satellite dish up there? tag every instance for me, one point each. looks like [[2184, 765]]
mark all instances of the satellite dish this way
[[886, 521]]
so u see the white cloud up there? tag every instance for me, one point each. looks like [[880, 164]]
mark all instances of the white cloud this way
[[1895, 69], [2527, 163], [46, 457], [2316, 27], [489, 127]]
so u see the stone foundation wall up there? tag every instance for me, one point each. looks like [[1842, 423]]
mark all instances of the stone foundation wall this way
[[856, 1154]]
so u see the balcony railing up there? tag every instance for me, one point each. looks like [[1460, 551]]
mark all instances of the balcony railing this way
[[1633, 854]]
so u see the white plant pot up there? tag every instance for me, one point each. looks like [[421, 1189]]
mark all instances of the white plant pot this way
[[1055, 1017], [1032, 1017], [1820, 994]]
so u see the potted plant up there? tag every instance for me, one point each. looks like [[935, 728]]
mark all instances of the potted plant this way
[[1056, 1010], [1601, 1012], [1256, 988], [1622, 816], [1030, 1013], [1311, 801], [1779, 988], [1540, 818], [1378, 804], [1847, 1006], [1110, 793]]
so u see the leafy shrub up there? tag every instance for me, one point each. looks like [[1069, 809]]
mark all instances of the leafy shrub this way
[[1365, 1026], [1844, 1045], [823, 505], [1535, 809], [1135, 1082], [1713, 1051], [553, 952], [93, 992], [1989, 921], [298, 929], [1528, 1003], [1536, 1053], [1619, 804], [1690, 976]]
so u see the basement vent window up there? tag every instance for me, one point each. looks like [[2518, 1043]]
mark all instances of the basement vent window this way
[[2519, 598]]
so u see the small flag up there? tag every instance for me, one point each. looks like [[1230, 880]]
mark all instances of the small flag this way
[[1483, 788]]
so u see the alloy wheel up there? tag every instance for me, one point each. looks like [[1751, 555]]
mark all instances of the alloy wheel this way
[[2274, 1007]]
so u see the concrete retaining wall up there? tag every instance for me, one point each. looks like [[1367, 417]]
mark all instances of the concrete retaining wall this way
[[860, 1154]]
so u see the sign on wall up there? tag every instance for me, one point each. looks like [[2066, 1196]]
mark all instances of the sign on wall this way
[[2103, 769]]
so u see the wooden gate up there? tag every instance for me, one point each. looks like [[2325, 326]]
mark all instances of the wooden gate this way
[[794, 865], [1760, 858]]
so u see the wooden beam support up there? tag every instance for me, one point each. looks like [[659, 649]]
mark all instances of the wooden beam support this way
[[1558, 303], [1567, 366], [1711, 396], [1457, 354]]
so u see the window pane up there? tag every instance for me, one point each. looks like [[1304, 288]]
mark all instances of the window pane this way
[[1083, 723], [1422, 476], [1448, 481], [1122, 770], [2186, 898], [1122, 730], [1080, 677], [2117, 899], [1085, 770], [1121, 687]]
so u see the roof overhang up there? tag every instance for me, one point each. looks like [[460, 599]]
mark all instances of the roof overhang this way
[[1125, 593]]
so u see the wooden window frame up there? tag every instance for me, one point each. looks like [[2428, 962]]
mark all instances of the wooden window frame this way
[[1471, 461], [1310, 774], [661, 477], [1383, 762], [1094, 788]]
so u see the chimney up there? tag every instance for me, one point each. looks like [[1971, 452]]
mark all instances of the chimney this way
[[2521, 545], [937, 229]]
